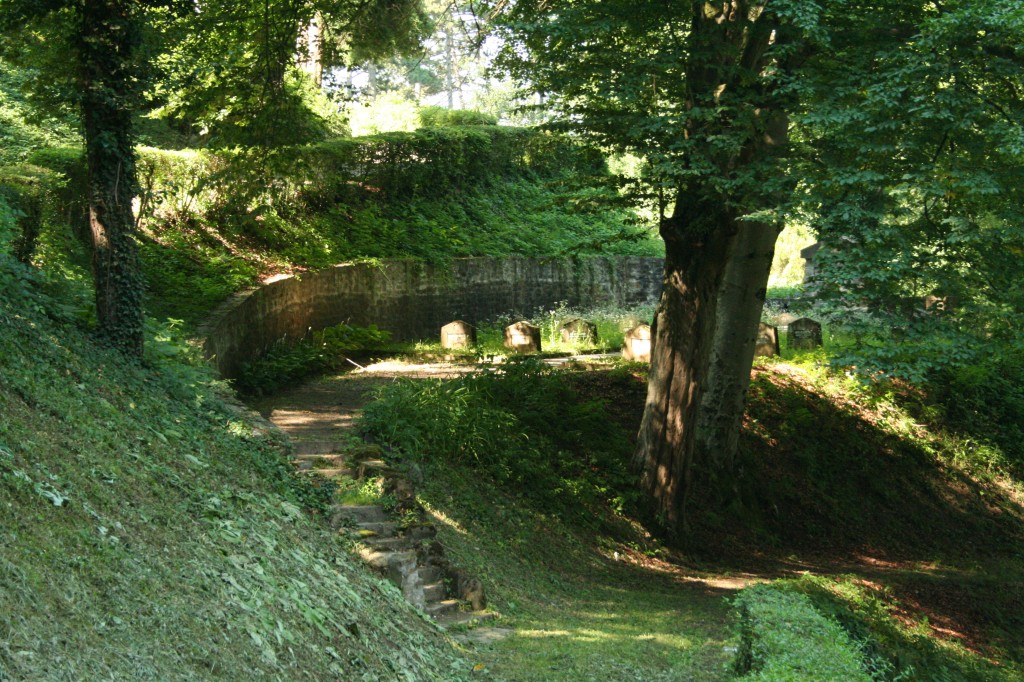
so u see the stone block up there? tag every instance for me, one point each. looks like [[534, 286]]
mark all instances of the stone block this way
[[804, 334], [767, 343], [522, 337], [579, 332], [637, 343], [458, 334]]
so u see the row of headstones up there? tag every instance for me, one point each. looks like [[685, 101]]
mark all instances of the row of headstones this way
[[524, 337], [804, 334]]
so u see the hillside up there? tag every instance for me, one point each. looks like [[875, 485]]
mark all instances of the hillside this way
[[150, 528], [214, 222]]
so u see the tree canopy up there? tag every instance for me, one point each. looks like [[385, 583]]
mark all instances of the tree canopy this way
[[893, 128]]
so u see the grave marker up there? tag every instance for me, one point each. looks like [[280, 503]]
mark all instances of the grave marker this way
[[579, 332], [804, 334], [637, 344], [767, 343], [522, 337], [458, 334]]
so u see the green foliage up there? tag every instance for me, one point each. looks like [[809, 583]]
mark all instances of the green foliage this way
[[324, 350], [385, 113], [23, 191], [214, 222], [892, 648], [521, 425], [985, 403], [783, 639], [440, 117], [25, 127]]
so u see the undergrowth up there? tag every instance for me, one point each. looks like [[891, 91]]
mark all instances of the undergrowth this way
[[520, 424], [324, 350]]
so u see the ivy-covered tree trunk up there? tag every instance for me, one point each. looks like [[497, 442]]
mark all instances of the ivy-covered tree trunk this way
[[106, 42]]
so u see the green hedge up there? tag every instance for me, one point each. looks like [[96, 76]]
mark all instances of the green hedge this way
[[440, 117], [784, 639], [391, 166]]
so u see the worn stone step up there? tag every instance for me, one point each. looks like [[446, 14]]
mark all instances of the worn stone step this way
[[434, 592], [374, 467], [329, 472], [313, 460], [318, 447], [431, 574], [421, 532], [358, 513], [386, 560], [397, 543], [441, 608], [485, 635], [383, 529]]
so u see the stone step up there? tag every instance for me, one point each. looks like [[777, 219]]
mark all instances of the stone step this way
[[359, 513], [386, 560], [397, 543], [442, 608], [381, 529], [452, 618], [373, 467], [423, 532], [313, 460], [434, 592], [318, 447], [431, 574], [329, 472]]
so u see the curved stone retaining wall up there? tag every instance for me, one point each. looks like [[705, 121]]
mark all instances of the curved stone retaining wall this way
[[412, 300]]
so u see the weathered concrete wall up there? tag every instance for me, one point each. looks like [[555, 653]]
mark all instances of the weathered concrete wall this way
[[412, 300]]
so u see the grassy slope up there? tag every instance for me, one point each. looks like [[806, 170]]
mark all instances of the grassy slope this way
[[578, 614], [918, 548], [177, 549]]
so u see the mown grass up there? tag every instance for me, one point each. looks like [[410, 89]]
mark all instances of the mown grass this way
[[577, 614]]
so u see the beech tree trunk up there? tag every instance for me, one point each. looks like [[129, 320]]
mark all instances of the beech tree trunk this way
[[683, 335], [740, 301], [107, 39]]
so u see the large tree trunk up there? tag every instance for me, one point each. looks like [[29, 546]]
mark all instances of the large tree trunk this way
[[740, 302], [683, 337], [107, 40]]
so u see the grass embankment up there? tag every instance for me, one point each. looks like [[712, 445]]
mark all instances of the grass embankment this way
[[908, 543], [151, 530]]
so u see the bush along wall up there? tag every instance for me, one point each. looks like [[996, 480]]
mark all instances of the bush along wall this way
[[214, 222]]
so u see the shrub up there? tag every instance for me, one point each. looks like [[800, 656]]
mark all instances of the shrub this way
[[439, 117], [783, 638], [521, 425]]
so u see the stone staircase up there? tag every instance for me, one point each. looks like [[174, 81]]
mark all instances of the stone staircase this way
[[398, 542]]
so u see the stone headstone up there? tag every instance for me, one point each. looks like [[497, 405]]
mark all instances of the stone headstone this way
[[637, 344], [579, 333], [458, 334], [767, 343], [804, 334], [522, 337]]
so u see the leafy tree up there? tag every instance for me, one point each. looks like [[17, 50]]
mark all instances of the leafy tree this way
[[104, 38], [227, 59], [733, 105]]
